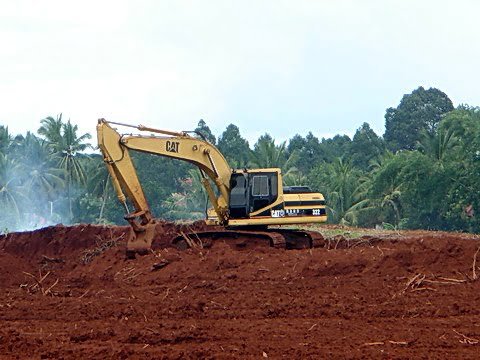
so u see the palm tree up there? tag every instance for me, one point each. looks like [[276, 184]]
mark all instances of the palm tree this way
[[10, 190], [294, 177], [266, 155], [5, 139], [385, 188], [65, 145], [42, 180], [51, 130], [439, 145], [98, 183], [71, 144], [345, 191]]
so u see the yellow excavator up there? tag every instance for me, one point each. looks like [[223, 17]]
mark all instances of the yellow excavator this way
[[245, 201]]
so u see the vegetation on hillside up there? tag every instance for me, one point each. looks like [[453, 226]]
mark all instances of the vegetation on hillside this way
[[422, 173]]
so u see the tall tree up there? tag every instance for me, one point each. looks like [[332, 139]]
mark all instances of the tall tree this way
[[336, 147], [234, 147], [465, 160], [10, 191], [419, 111], [366, 145], [51, 130], [341, 185], [205, 131], [440, 145], [5, 139], [309, 149], [66, 146], [385, 190], [267, 154], [43, 181]]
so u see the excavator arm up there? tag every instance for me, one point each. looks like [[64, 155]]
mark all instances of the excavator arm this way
[[178, 145]]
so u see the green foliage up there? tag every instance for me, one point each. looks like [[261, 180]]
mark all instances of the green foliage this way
[[234, 147], [411, 183], [160, 177], [308, 152], [191, 202], [204, 132], [5, 139], [266, 154], [418, 112], [65, 147], [336, 147], [342, 186], [10, 191], [365, 147], [427, 179], [465, 162], [43, 180]]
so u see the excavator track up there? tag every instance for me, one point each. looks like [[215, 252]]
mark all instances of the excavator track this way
[[276, 238]]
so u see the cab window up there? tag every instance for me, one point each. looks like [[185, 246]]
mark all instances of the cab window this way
[[260, 186]]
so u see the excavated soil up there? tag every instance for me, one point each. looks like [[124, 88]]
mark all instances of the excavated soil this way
[[69, 292]]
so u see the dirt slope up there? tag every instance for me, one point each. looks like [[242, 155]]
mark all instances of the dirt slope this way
[[404, 295]]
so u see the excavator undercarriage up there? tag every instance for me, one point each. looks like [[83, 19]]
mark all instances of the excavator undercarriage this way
[[277, 238]]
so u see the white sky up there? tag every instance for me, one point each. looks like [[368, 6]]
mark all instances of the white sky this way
[[282, 67]]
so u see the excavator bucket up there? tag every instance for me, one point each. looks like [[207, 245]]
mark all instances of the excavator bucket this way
[[140, 240]]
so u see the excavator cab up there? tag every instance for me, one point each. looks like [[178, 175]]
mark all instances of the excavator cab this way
[[258, 198], [252, 191]]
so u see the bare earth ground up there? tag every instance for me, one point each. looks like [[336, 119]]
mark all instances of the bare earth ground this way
[[386, 295]]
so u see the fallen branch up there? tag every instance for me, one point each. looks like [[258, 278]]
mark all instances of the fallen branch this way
[[46, 259], [465, 339], [453, 280], [166, 293], [102, 246], [133, 276], [39, 284], [49, 290], [418, 282], [378, 247], [398, 342], [424, 288], [443, 282], [85, 293], [192, 243], [414, 282], [474, 265]]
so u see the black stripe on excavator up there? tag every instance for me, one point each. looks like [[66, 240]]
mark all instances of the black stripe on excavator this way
[[305, 212], [268, 212], [295, 212], [305, 203]]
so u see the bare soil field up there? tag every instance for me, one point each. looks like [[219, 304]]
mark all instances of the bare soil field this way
[[69, 292]]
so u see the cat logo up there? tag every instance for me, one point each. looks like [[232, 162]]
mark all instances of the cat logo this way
[[172, 146]]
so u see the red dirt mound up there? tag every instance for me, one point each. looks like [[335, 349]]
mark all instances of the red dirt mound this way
[[69, 292]]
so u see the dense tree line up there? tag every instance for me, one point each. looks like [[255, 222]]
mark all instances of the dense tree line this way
[[422, 173]]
